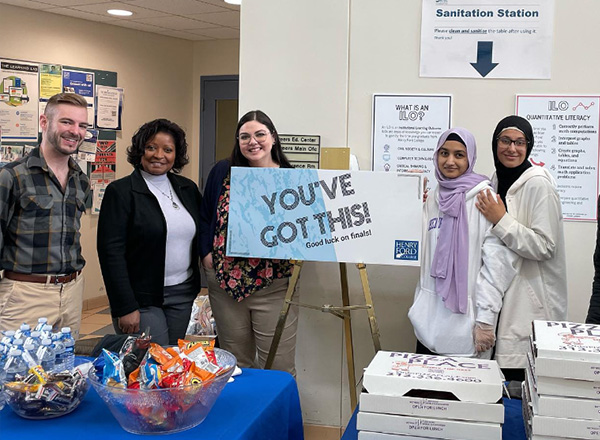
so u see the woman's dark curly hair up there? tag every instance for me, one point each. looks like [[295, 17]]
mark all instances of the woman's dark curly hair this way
[[237, 159], [146, 133]]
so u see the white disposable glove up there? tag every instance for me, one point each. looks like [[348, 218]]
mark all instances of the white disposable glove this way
[[484, 336]]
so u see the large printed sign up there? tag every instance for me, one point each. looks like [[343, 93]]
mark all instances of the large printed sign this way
[[486, 38], [405, 132], [325, 215], [567, 142]]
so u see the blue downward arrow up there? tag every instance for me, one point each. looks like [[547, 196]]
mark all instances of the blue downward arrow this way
[[484, 63]]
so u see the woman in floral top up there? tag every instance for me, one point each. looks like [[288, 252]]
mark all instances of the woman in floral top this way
[[246, 294]]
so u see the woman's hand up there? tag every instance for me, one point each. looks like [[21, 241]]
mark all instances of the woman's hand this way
[[491, 207], [425, 189], [130, 323], [207, 262]]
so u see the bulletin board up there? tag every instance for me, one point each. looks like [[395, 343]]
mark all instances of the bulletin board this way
[[25, 87]]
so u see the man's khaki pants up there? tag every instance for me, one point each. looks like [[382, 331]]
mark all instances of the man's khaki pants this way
[[22, 301]]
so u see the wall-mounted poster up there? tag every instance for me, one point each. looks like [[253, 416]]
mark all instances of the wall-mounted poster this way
[[109, 105], [82, 83], [487, 38], [50, 80], [567, 143], [405, 131], [325, 215], [19, 101]]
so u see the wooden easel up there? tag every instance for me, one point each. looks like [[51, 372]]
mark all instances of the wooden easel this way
[[342, 312]]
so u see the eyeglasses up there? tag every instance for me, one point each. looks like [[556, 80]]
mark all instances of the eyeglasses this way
[[506, 142], [260, 137]]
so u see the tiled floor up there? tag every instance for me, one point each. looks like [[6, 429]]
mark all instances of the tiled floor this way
[[95, 323]]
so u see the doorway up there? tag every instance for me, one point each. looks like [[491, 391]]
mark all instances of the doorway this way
[[218, 120]]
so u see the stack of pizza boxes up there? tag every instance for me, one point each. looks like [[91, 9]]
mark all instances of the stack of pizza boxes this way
[[561, 391], [411, 396]]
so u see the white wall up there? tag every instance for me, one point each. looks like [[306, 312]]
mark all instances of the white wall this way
[[313, 67]]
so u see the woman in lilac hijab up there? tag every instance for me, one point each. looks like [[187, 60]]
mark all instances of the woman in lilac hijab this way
[[465, 270]]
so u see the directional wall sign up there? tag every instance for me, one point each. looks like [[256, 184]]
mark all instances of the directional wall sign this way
[[486, 38], [301, 150]]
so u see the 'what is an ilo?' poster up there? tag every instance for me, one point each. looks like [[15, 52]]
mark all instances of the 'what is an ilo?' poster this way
[[325, 215]]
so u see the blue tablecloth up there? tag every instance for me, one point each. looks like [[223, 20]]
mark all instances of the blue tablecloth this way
[[259, 404], [513, 428]]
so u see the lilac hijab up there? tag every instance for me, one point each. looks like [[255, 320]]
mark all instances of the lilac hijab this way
[[450, 266]]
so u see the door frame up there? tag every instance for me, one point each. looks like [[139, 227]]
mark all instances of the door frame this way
[[208, 119]]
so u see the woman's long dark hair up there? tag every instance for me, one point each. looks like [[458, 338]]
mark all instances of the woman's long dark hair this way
[[237, 159]]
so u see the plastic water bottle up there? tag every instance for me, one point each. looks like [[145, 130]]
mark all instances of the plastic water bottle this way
[[7, 338], [69, 353], [17, 343], [28, 347], [46, 332], [34, 339], [5, 345], [23, 331], [41, 323], [59, 355], [15, 364], [46, 356]]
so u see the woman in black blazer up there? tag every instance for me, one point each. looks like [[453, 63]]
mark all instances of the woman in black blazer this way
[[147, 237]]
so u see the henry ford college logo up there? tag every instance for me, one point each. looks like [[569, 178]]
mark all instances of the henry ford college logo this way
[[406, 250]]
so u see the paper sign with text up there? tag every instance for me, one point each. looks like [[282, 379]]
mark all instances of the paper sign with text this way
[[325, 215]]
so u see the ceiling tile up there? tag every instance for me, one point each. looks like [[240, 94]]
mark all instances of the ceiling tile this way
[[220, 33], [137, 26], [27, 4], [176, 23], [69, 3], [185, 35], [80, 14], [138, 12], [222, 4], [229, 18], [177, 7]]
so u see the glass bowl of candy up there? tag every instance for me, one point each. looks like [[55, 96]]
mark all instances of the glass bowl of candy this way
[[44, 395], [182, 405]]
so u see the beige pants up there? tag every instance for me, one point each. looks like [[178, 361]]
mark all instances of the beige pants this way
[[246, 328], [22, 301]]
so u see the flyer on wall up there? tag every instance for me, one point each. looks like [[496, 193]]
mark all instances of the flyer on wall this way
[[487, 38], [19, 101], [567, 142], [50, 80], [109, 104], [405, 130], [103, 169], [325, 215], [82, 83]]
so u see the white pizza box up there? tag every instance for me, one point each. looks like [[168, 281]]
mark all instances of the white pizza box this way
[[560, 406], [528, 414], [468, 379], [427, 427], [526, 409], [567, 340], [563, 427], [549, 357], [567, 369], [567, 387], [432, 407], [370, 435], [557, 386], [544, 437]]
